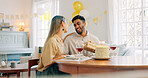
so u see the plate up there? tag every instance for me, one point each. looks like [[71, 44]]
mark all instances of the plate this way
[[75, 59], [101, 58], [72, 58], [69, 56]]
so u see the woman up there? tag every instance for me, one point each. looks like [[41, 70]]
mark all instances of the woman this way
[[53, 48]]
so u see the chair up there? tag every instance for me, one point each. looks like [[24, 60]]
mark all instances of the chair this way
[[24, 59], [31, 63], [67, 36]]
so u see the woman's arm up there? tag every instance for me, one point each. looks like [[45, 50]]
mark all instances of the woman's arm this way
[[53, 61]]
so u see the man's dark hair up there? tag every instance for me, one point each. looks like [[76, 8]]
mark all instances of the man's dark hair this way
[[78, 17]]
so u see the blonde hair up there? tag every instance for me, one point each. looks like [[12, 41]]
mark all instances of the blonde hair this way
[[55, 26]]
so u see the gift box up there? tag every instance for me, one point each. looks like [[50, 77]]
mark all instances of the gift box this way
[[89, 46]]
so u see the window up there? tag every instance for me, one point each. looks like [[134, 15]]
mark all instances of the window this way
[[41, 27], [133, 25]]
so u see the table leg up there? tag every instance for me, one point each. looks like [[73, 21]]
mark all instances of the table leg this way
[[18, 74], [6, 60], [7, 75]]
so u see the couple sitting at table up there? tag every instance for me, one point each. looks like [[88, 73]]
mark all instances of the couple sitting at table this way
[[54, 46]]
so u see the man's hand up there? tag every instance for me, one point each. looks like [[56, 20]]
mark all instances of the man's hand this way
[[89, 49], [92, 50]]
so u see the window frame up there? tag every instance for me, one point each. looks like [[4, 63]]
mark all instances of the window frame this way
[[40, 33], [143, 47]]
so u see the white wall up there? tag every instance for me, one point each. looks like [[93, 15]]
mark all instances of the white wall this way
[[95, 8], [17, 7]]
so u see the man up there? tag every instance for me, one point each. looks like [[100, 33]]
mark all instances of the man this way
[[81, 34]]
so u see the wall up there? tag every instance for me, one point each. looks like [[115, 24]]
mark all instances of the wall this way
[[16, 7], [95, 8]]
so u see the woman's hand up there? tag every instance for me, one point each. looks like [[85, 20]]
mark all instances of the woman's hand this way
[[60, 57]]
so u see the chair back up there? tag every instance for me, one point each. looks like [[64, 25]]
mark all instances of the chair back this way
[[67, 36], [31, 63]]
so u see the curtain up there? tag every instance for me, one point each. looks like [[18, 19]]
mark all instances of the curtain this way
[[113, 21], [51, 6]]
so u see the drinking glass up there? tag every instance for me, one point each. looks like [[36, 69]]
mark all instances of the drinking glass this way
[[113, 50], [79, 47], [112, 47]]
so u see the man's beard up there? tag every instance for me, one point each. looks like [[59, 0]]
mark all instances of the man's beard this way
[[81, 31]]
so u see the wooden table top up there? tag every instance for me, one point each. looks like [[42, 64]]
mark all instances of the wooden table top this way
[[19, 67], [117, 61]]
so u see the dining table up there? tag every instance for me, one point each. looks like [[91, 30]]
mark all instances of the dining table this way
[[94, 66]]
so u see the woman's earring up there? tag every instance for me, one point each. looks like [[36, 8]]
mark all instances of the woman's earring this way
[[63, 29]]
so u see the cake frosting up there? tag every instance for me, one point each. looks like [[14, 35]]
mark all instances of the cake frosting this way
[[102, 52]]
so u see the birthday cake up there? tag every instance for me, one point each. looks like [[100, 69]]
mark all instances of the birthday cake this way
[[102, 52]]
